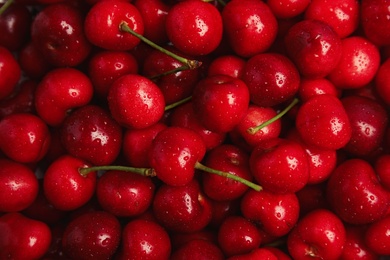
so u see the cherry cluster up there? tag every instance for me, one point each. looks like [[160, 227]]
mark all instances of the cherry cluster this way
[[194, 129]]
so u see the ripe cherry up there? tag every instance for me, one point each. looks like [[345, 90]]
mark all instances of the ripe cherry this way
[[376, 236], [355, 247], [287, 8], [382, 169], [230, 65], [312, 87], [258, 253], [198, 249], [375, 21], [382, 81], [9, 72], [31, 62]]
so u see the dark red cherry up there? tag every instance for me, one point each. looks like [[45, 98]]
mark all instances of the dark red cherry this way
[[198, 32], [376, 236], [220, 102], [31, 62], [382, 169], [250, 26], [355, 247], [314, 47], [382, 81], [10, 72], [102, 25], [92, 234], [258, 253], [57, 32], [375, 21], [91, 134], [198, 249]]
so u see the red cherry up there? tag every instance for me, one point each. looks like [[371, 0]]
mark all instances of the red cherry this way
[[382, 81], [174, 154], [376, 237], [250, 26], [22, 237], [93, 234], [65, 188], [31, 62], [355, 247], [314, 47], [382, 169], [145, 239], [19, 186], [312, 197], [276, 214], [57, 32], [323, 122], [124, 194], [102, 21], [287, 8], [91, 134], [342, 15], [237, 235], [355, 193], [24, 137], [280, 165], [358, 64], [311, 87], [135, 101], [375, 21], [230, 65], [220, 102], [105, 67], [198, 249], [222, 210], [319, 234], [60, 91], [9, 72], [197, 32], [258, 253]]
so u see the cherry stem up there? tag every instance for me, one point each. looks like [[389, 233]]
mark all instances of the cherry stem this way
[[253, 130], [190, 64], [147, 172], [178, 103], [181, 68], [204, 168], [5, 6]]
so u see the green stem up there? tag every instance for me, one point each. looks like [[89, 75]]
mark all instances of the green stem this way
[[253, 130], [252, 185], [5, 6], [181, 68], [147, 172], [178, 103], [191, 64]]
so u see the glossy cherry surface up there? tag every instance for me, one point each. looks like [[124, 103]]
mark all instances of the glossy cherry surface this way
[[9, 73]]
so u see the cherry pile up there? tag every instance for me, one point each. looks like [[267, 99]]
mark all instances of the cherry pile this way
[[194, 129]]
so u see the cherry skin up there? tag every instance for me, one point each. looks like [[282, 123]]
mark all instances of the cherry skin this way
[[280, 165], [182, 208], [198, 32], [319, 234], [105, 67], [376, 237], [93, 234], [382, 169], [135, 101], [174, 153], [198, 249], [220, 102], [375, 21], [24, 137], [19, 186], [287, 8], [311, 87], [314, 47], [60, 91], [369, 121], [31, 62], [91, 134], [17, 233], [102, 22], [358, 64], [64, 187], [323, 122], [237, 235], [258, 253], [382, 81], [250, 26], [343, 16], [227, 158], [10, 72], [144, 239], [355, 247], [230, 65], [57, 32], [15, 26], [355, 193], [124, 194], [312, 197]]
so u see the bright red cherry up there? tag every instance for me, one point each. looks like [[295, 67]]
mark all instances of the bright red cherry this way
[[355, 247], [22, 237], [250, 26], [135, 101], [90, 133], [287, 8], [319, 234], [323, 122], [93, 234], [230, 65], [220, 102], [312, 87], [10, 72], [19, 186], [271, 79], [355, 193], [195, 32], [102, 25], [377, 236], [375, 21], [60, 91], [65, 187], [314, 47], [382, 80], [57, 32], [24, 137], [359, 62]]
